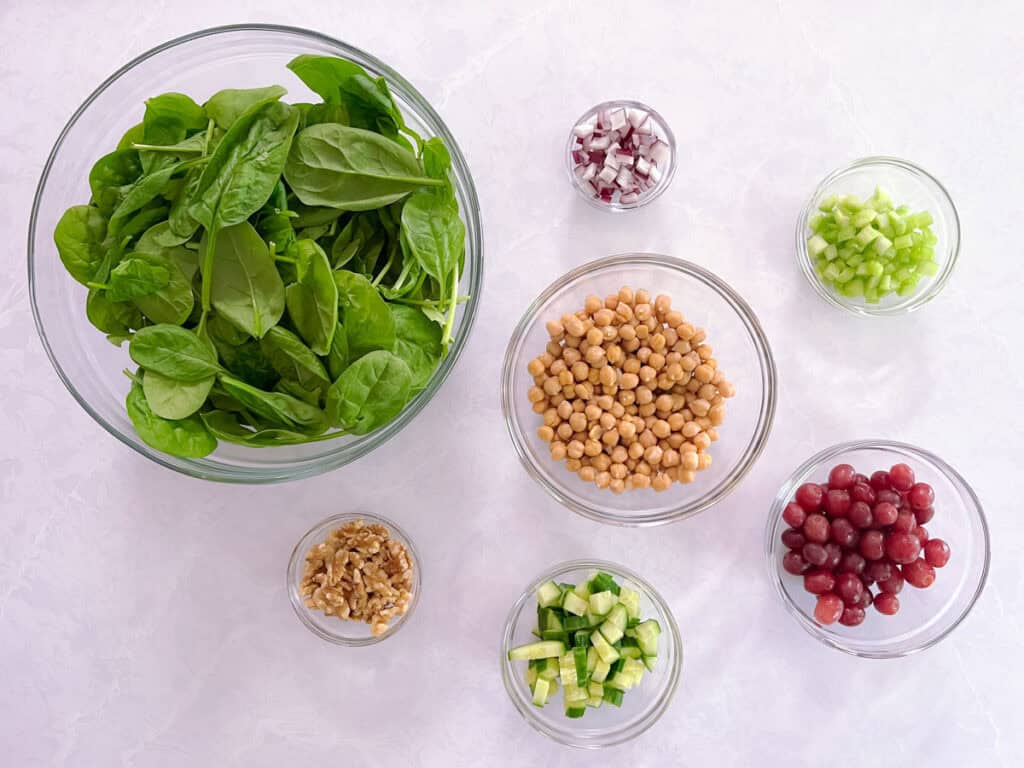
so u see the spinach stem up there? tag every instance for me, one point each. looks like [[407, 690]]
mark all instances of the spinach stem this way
[[446, 336], [384, 271], [167, 148]]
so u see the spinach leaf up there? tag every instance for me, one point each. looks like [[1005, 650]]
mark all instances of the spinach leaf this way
[[226, 426], [241, 354], [296, 390], [133, 135], [174, 352], [433, 234], [181, 221], [80, 236], [417, 342], [245, 287], [350, 168], [311, 216], [337, 355], [314, 114], [115, 318], [313, 299], [169, 117], [324, 74], [369, 393], [172, 399], [109, 174], [294, 361], [437, 160], [187, 438], [276, 407], [135, 277], [139, 193], [365, 315], [171, 303], [226, 106]]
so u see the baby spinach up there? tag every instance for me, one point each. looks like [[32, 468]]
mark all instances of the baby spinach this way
[[369, 393], [312, 300], [365, 315], [350, 168], [188, 438], [245, 287], [174, 352], [275, 269]]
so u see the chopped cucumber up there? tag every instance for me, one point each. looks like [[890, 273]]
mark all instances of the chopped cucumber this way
[[574, 604], [573, 711], [647, 634], [604, 648], [582, 590], [595, 701], [631, 652], [567, 670], [531, 675], [541, 692], [548, 594], [613, 696], [649, 662], [547, 668], [575, 623], [542, 650], [573, 694], [603, 581], [581, 637], [615, 625], [602, 602], [595, 688], [592, 659], [600, 673], [579, 655]]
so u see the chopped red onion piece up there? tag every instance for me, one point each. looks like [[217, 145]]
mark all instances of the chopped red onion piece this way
[[583, 130], [629, 198], [600, 142], [643, 166], [660, 152], [618, 118], [590, 172], [654, 175], [607, 175]]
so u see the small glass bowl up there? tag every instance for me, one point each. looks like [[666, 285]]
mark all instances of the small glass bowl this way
[[663, 132], [606, 725], [909, 185], [198, 64], [740, 347], [331, 628], [926, 616]]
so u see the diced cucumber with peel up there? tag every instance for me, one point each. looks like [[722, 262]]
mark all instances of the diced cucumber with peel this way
[[582, 590], [579, 655], [574, 694], [600, 673], [542, 650], [604, 648], [592, 658], [631, 601], [631, 652], [615, 625], [574, 604], [647, 634], [574, 711], [601, 602], [531, 675], [541, 692], [613, 696], [649, 662], [596, 688], [567, 670], [548, 669], [548, 594], [595, 701]]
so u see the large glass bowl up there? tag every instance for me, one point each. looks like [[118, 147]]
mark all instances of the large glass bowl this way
[[200, 64], [909, 185], [926, 616], [741, 350], [606, 725]]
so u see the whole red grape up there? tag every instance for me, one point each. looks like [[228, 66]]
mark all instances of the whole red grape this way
[[794, 563], [880, 480], [809, 496], [901, 476], [837, 503], [887, 603], [841, 477], [816, 528], [921, 496], [872, 545], [936, 553], [884, 513], [919, 574], [794, 515], [852, 616], [818, 581], [828, 609]]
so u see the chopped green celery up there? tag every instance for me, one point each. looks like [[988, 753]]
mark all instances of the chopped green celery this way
[[820, 265], [881, 244], [902, 242], [903, 210], [898, 223], [831, 252], [922, 219], [846, 233], [541, 692], [929, 268], [885, 284], [875, 268], [862, 269], [831, 271], [846, 275], [906, 287], [850, 203], [930, 238], [863, 218], [867, 234], [881, 200], [816, 244], [871, 296], [828, 203], [882, 224], [842, 218], [853, 288], [817, 221]]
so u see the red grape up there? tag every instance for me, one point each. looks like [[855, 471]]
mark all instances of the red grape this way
[[902, 547], [887, 603], [921, 496], [794, 563], [880, 480], [816, 528], [863, 492], [841, 477], [888, 495], [835, 554], [793, 539], [794, 515], [809, 496], [843, 533], [905, 522], [884, 513], [880, 570], [936, 553], [814, 554], [872, 545], [860, 515], [850, 588], [922, 534], [837, 503], [919, 574], [867, 598], [853, 563], [901, 477], [893, 584], [818, 581], [828, 609], [860, 477], [852, 616], [924, 515]]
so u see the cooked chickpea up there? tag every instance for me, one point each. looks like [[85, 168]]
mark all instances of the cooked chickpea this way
[[689, 461], [661, 428], [653, 455], [704, 460], [670, 457], [578, 422], [644, 395], [564, 431], [592, 448], [627, 333], [618, 471], [601, 462], [573, 465], [546, 433], [690, 429], [661, 482], [540, 406], [636, 449], [588, 474], [725, 389], [603, 479], [557, 450], [595, 356], [627, 430], [604, 317], [640, 481], [564, 410], [592, 304], [618, 410], [535, 367], [702, 441]]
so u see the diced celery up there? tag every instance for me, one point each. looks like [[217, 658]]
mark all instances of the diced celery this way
[[854, 288], [850, 203], [816, 222], [831, 271], [881, 200], [902, 242], [923, 219], [827, 204], [875, 268], [846, 233], [831, 252], [898, 223], [815, 245], [881, 244], [929, 268], [866, 235], [863, 218]]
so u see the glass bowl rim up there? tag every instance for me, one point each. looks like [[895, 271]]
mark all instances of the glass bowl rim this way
[[311, 466], [933, 289], [299, 554], [973, 508], [766, 415], [531, 714], [643, 200]]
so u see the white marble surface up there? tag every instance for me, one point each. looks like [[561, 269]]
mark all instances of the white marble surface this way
[[143, 618]]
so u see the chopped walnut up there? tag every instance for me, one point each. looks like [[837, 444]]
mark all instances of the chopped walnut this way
[[359, 573]]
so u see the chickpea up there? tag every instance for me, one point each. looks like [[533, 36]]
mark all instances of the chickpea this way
[[676, 421], [593, 412], [617, 486], [601, 462], [536, 394], [643, 468], [595, 432], [675, 440], [603, 479], [546, 433], [671, 337], [653, 455], [592, 304], [554, 349], [564, 431], [643, 332], [704, 461], [594, 375], [541, 406], [551, 386], [607, 376], [656, 361], [648, 438], [700, 407], [571, 356], [618, 410], [636, 449], [595, 356], [624, 312], [704, 373], [627, 430], [618, 471], [631, 464], [619, 455], [564, 410], [631, 346], [689, 461], [627, 333], [574, 326], [574, 450], [670, 457], [661, 482], [657, 342], [687, 447], [690, 429], [661, 428], [725, 389], [578, 422], [604, 402], [702, 441], [610, 438], [687, 477], [580, 370], [629, 381], [573, 342], [583, 392], [642, 311], [557, 450], [615, 354], [699, 335], [588, 474], [592, 448], [565, 378], [717, 415], [647, 374], [607, 420], [551, 418], [662, 304], [603, 317], [627, 397], [712, 434], [644, 396], [535, 367], [573, 465]]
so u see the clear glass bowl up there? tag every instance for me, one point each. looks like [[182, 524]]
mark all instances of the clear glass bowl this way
[[909, 185], [740, 347], [606, 725], [199, 64], [661, 130], [331, 628], [926, 616]]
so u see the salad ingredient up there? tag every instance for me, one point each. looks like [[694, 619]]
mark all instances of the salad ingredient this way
[[871, 248], [620, 155], [630, 393], [593, 642], [278, 270], [359, 573], [859, 533]]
